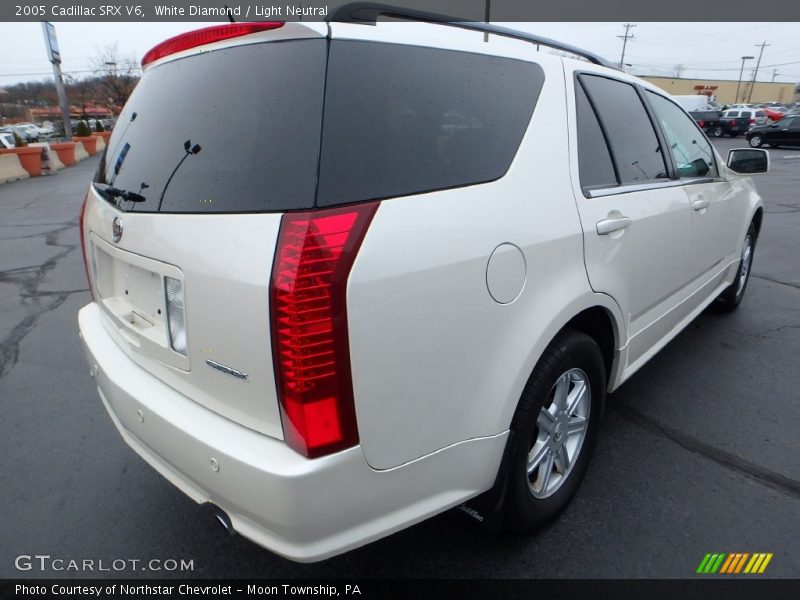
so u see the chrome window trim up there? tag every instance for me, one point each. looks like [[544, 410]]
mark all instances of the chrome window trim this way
[[642, 187]]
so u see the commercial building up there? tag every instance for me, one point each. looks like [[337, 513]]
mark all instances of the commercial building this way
[[725, 90]]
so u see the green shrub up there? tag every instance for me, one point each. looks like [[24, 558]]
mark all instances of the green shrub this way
[[83, 129], [98, 126]]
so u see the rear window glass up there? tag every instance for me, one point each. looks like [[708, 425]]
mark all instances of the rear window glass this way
[[252, 117], [402, 120]]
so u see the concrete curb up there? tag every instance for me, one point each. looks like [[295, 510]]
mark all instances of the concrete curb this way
[[80, 152], [50, 162], [11, 169]]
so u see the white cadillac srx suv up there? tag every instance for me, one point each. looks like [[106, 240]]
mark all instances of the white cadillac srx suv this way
[[349, 276]]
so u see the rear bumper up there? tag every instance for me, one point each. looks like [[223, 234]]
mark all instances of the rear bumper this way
[[305, 510]]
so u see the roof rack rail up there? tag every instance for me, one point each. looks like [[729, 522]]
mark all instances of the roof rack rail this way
[[368, 13]]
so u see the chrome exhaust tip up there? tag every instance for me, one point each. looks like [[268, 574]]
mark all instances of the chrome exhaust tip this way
[[222, 517]]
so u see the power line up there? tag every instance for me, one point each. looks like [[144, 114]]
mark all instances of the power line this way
[[65, 72]]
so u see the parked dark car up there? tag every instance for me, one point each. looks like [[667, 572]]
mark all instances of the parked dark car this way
[[785, 132], [707, 120], [735, 122]]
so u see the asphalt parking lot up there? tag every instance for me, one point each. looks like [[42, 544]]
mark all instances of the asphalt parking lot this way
[[699, 451]]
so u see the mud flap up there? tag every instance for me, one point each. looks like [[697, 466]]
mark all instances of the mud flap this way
[[489, 507]]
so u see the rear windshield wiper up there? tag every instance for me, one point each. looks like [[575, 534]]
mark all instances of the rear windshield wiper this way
[[110, 192]]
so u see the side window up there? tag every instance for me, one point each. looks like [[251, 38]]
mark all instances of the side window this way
[[594, 159], [732, 113], [691, 151], [746, 114], [633, 140]]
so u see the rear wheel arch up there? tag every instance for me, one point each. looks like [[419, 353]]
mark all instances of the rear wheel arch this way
[[758, 217], [599, 324], [604, 326]]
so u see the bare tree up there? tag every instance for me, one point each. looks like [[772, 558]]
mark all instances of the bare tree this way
[[117, 74], [81, 93]]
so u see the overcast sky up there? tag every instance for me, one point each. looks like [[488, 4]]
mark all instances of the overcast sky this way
[[696, 50]]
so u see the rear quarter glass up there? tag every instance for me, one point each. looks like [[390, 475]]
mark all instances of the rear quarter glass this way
[[402, 120]]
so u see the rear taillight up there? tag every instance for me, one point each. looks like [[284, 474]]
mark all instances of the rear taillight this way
[[207, 35], [701, 123], [733, 123], [308, 314], [83, 242]]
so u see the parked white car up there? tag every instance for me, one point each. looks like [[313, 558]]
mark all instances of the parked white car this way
[[7, 140], [339, 323], [29, 132], [46, 130]]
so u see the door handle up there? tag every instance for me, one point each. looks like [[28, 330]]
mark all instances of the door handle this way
[[611, 225], [700, 204]]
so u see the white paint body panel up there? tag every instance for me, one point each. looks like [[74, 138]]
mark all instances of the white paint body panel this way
[[435, 359], [225, 261], [671, 261], [306, 510]]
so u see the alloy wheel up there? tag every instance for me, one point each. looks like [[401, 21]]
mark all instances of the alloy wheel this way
[[747, 259], [562, 425]]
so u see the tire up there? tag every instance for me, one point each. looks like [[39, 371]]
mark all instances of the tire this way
[[718, 131], [756, 141], [730, 299], [571, 362]]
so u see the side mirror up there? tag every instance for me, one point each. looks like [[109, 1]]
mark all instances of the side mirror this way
[[748, 161]]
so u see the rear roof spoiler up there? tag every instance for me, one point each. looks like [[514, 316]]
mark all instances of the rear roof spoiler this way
[[368, 13]]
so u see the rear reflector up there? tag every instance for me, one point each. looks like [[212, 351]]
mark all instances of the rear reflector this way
[[176, 315], [207, 35], [308, 315]]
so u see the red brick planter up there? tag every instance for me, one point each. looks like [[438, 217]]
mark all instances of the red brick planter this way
[[66, 152], [29, 157], [89, 143]]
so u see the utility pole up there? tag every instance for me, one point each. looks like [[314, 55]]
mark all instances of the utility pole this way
[[741, 72], [755, 73], [625, 38], [487, 17], [53, 54], [774, 74]]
